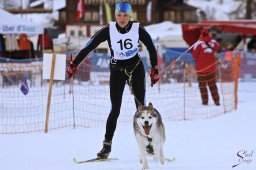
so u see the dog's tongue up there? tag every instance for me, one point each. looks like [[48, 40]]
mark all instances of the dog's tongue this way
[[146, 129]]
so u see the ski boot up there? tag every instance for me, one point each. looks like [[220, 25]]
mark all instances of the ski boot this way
[[105, 151]]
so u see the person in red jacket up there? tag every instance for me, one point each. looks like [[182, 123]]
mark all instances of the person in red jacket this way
[[203, 53]]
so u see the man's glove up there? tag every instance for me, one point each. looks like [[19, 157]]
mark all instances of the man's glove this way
[[71, 70], [154, 76]]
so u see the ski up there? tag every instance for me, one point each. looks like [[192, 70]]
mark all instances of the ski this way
[[93, 160]]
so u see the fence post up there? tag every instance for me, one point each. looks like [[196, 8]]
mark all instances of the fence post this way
[[236, 67], [184, 86], [221, 85], [50, 92]]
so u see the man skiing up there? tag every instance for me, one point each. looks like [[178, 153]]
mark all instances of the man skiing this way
[[123, 38]]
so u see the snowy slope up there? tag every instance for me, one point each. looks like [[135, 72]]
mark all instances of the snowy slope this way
[[197, 145]]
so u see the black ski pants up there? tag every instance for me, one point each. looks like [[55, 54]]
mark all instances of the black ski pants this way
[[118, 79]]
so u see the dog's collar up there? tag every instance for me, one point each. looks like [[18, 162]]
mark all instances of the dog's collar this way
[[148, 138]]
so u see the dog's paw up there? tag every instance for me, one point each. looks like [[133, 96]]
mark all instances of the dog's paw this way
[[145, 164], [145, 167], [162, 160]]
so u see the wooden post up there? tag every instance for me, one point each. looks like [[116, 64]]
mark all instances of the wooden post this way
[[184, 91], [236, 68], [221, 85], [50, 92]]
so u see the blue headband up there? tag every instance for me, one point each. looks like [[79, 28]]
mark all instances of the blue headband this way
[[124, 7]]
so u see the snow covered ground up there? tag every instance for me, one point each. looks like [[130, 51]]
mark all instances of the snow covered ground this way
[[212, 144]]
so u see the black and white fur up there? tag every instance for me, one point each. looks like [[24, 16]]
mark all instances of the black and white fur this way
[[147, 117]]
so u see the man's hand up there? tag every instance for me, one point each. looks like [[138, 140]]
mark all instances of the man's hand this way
[[71, 70], [154, 76]]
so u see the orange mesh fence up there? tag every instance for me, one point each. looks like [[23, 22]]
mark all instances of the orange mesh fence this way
[[85, 102]]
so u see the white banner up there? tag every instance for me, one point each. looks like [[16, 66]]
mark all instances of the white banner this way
[[11, 24], [20, 29]]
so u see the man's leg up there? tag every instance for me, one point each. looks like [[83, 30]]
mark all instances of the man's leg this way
[[203, 89], [213, 88], [138, 85], [117, 84]]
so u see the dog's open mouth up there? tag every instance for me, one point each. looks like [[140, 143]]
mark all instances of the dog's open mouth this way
[[147, 129]]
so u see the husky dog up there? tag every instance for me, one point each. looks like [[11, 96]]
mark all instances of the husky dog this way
[[149, 131]]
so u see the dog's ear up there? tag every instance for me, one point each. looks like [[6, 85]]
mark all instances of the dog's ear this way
[[154, 113], [150, 105], [140, 107]]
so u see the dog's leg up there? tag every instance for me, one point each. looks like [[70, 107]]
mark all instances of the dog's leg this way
[[162, 158], [156, 150], [143, 158]]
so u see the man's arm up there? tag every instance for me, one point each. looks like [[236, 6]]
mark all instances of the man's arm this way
[[145, 38], [147, 41], [95, 40], [194, 54], [196, 49], [216, 46]]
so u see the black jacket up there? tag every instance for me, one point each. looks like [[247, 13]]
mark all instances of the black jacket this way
[[103, 35]]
